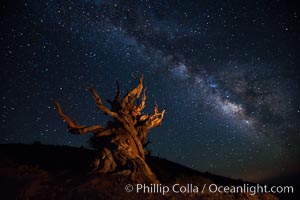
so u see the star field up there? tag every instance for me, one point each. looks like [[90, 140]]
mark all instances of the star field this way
[[226, 72]]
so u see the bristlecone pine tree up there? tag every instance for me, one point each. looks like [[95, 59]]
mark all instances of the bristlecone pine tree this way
[[121, 143]]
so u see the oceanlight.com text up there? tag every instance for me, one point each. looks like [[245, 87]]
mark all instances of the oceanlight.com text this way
[[208, 188]]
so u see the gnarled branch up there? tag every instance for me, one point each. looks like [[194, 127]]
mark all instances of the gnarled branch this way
[[132, 96], [115, 103], [118, 95], [73, 126], [156, 118], [102, 107], [142, 105]]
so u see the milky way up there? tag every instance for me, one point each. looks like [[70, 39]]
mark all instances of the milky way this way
[[225, 72]]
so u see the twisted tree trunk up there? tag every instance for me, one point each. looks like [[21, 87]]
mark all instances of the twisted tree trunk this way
[[121, 143]]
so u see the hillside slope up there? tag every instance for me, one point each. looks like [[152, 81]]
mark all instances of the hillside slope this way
[[60, 172]]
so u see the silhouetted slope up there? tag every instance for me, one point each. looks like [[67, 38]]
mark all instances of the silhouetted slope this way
[[162, 168], [60, 172]]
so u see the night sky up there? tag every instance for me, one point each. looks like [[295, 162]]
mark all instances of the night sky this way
[[227, 72]]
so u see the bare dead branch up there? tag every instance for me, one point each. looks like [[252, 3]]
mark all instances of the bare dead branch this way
[[102, 107], [105, 132], [73, 126], [134, 94], [156, 118], [142, 105], [118, 95]]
